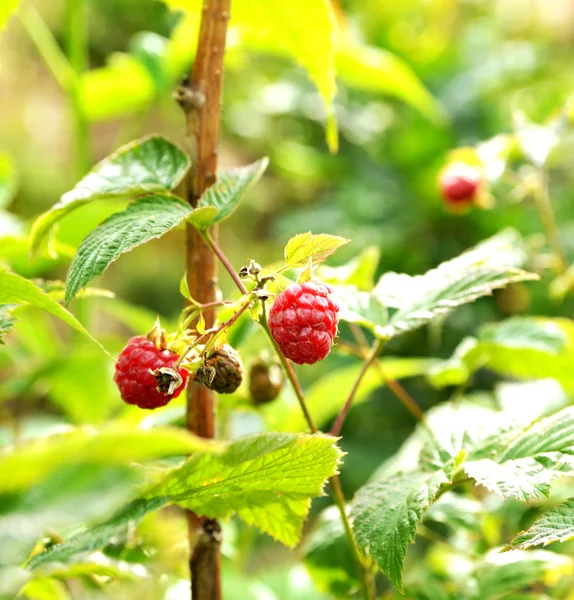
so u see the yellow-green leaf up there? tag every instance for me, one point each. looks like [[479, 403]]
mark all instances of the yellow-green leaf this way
[[305, 247]]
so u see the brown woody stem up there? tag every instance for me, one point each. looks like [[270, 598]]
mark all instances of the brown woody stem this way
[[200, 98]]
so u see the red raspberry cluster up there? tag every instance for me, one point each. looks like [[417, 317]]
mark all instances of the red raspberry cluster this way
[[134, 373], [303, 321]]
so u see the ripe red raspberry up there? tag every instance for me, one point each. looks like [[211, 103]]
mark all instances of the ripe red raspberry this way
[[303, 321], [134, 373], [459, 183]]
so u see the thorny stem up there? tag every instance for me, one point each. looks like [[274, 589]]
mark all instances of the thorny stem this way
[[375, 351], [548, 218], [227, 265]]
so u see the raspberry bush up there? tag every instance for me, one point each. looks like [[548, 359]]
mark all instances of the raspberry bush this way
[[294, 314]]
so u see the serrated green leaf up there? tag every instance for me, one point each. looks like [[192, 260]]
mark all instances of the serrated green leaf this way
[[222, 198], [304, 247], [24, 465], [386, 514], [501, 573], [557, 525], [531, 460], [553, 434], [152, 164], [99, 536], [144, 220], [524, 479], [376, 70], [475, 273], [15, 289], [268, 480]]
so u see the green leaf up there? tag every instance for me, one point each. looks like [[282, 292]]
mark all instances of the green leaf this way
[[144, 220], [6, 321], [530, 461], [120, 88], [268, 480], [306, 246], [386, 514], [297, 29], [553, 434], [557, 525], [222, 198], [376, 70], [524, 479], [528, 348], [99, 536], [152, 164], [25, 465], [15, 289], [501, 573], [475, 273]]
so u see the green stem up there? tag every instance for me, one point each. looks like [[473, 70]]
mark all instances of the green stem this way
[[548, 218], [77, 51]]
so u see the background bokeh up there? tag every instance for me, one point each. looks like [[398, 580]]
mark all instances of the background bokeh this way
[[483, 62]]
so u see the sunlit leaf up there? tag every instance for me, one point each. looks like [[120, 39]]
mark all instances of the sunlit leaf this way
[[362, 308], [222, 198], [386, 514], [149, 165], [122, 87], [358, 272], [303, 30], [557, 525], [377, 70], [148, 218], [24, 465], [268, 480], [15, 289], [305, 247]]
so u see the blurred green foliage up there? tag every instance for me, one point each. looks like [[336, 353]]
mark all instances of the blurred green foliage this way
[[415, 79]]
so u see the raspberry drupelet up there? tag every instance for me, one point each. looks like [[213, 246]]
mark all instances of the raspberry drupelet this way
[[134, 373], [303, 321]]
